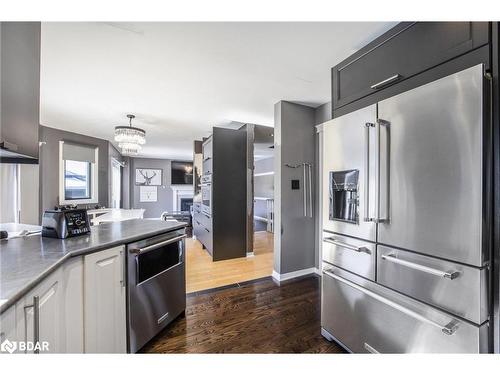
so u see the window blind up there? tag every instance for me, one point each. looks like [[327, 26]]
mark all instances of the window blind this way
[[78, 152]]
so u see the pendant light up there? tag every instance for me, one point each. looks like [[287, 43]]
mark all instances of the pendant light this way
[[129, 138]]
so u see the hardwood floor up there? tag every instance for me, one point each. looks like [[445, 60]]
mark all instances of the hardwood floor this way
[[256, 317], [202, 273]]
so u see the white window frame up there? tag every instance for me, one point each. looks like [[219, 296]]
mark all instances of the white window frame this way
[[94, 168]]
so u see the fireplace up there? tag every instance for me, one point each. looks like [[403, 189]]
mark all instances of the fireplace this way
[[186, 204], [182, 197]]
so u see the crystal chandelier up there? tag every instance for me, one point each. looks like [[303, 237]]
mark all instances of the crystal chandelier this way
[[130, 138]]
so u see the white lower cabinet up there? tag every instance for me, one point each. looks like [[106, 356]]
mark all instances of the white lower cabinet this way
[[39, 317], [8, 330], [105, 301], [80, 307], [52, 313]]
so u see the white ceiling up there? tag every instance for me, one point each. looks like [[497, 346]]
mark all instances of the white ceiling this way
[[180, 79]]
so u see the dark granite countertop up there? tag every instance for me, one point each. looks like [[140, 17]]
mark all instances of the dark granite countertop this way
[[24, 262]]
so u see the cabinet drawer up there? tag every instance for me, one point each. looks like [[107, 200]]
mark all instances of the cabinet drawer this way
[[367, 317], [204, 235], [398, 55], [204, 220], [350, 254], [454, 287]]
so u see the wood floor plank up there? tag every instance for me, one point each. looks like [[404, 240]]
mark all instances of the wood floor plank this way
[[260, 317], [202, 273]]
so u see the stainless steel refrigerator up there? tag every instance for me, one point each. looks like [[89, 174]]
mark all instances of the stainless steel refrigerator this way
[[406, 192]]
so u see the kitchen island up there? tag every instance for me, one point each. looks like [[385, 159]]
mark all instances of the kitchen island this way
[[69, 278], [26, 261]]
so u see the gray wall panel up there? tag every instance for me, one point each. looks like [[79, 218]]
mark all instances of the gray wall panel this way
[[295, 143], [323, 113], [165, 193]]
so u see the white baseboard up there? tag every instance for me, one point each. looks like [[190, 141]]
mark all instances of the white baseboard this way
[[292, 275], [250, 254]]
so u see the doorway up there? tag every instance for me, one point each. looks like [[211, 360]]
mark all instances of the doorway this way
[[202, 272], [263, 190], [116, 184]]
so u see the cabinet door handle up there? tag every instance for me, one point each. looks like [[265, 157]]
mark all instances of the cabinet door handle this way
[[124, 264], [370, 349], [36, 323], [386, 81], [162, 318]]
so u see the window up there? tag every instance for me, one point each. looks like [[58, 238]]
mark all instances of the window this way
[[77, 173], [77, 179]]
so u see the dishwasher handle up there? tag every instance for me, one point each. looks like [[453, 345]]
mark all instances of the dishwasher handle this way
[[157, 245]]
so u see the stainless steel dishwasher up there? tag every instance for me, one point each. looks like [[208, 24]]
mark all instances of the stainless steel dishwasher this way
[[156, 285]]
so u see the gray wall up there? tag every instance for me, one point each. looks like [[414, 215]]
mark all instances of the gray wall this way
[[165, 193], [323, 113], [126, 183], [294, 237], [49, 164]]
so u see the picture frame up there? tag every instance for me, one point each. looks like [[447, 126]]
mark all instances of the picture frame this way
[[148, 176], [148, 193]]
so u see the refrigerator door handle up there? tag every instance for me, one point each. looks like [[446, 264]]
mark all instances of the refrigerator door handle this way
[[367, 217], [309, 167], [385, 124], [433, 271], [448, 329], [358, 249]]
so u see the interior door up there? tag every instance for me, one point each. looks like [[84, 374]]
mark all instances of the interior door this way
[[431, 168], [349, 152]]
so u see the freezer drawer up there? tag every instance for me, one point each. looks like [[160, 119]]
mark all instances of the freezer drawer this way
[[366, 317], [456, 288], [350, 254]]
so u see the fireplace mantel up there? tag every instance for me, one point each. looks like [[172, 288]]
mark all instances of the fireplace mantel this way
[[181, 191]]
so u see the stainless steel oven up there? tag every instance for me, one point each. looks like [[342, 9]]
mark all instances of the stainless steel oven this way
[[206, 194], [156, 285]]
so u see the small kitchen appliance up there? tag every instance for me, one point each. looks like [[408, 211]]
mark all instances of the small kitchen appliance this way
[[63, 223]]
